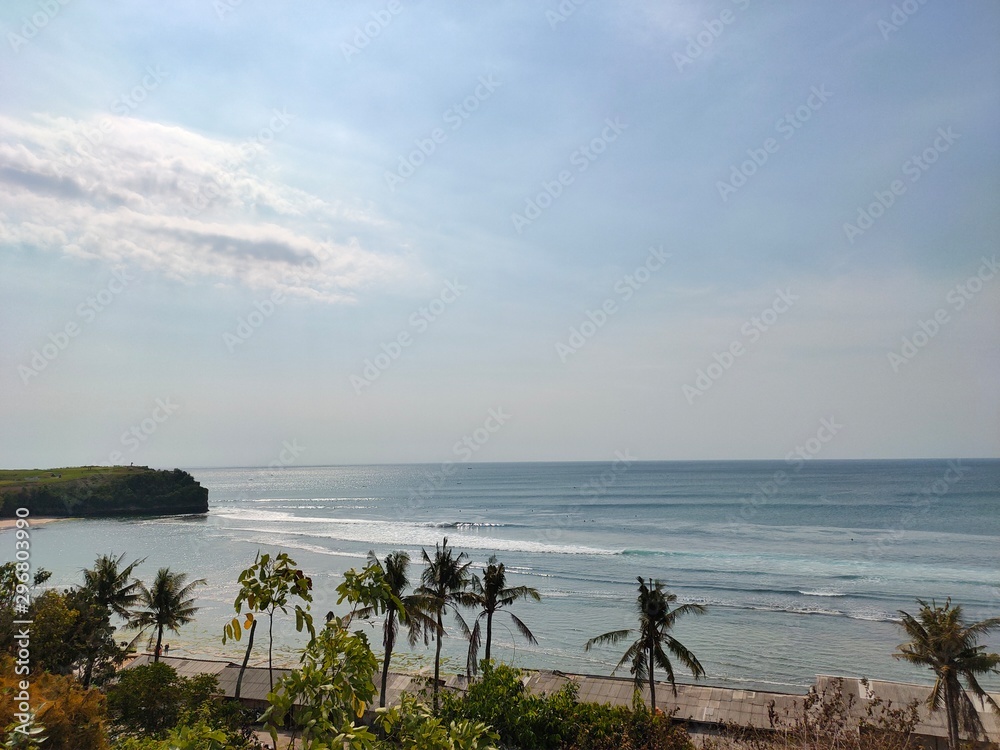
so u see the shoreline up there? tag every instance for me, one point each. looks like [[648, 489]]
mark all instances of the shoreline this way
[[10, 523]]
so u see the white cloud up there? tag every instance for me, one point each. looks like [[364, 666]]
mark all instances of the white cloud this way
[[124, 190]]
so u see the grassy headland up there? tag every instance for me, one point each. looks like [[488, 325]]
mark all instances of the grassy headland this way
[[83, 491]]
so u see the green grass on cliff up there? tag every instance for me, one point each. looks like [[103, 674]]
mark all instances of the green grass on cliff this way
[[14, 478]]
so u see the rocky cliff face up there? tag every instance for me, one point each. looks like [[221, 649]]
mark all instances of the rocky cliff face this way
[[102, 491]]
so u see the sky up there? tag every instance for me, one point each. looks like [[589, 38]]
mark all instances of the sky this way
[[305, 233]]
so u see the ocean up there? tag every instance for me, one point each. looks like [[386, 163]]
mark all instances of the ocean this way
[[802, 565]]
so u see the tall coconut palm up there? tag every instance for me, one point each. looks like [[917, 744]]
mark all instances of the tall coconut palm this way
[[656, 618], [114, 590], [166, 604], [413, 614], [444, 584], [113, 586], [491, 595], [942, 641]]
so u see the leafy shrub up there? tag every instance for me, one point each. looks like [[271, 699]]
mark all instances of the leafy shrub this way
[[73, 717], [558, 721], [146, 699], [412, 726], [153, 701]]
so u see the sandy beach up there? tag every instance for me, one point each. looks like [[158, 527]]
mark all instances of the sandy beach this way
[[9, 523]]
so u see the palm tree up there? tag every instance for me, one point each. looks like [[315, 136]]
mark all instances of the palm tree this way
[[168, 604], [443, 585], [492, 594], [413, 614], [112, 588], [656, 618], [943, 642]]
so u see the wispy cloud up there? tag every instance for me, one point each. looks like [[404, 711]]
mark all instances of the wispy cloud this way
[[170, 200]]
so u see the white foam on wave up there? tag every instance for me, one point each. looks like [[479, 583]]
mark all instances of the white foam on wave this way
[[395, 533], [283, 542], [822, 593]]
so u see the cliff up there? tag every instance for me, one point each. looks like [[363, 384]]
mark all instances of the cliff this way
[[84, 491]]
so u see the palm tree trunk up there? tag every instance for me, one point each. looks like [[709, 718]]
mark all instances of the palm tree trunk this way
[[437, 661], [652, 681], [159, 641], [88, 671], [489, 633], [246, 658], [952, 708], [270, 648], [388, 655]]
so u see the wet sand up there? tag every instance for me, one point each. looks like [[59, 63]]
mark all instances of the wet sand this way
[[10, 523]]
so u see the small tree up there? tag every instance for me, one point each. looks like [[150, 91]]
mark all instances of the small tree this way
[[111, 587], [943, 642], [656, 619], [492, 595], [166, 604], [412, 613], [444, 585], [146, 699], [265, 587]]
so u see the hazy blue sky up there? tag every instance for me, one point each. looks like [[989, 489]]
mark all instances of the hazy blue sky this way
[[644, 227]]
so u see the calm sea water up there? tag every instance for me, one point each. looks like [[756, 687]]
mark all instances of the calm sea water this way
[[803, 567]]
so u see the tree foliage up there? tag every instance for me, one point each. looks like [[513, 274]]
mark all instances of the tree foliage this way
[[444, 586], [167, 604], [943, 642], [656, 619], [386, 594], [265, 588], [332, 687], [491, 594], [71, 717]]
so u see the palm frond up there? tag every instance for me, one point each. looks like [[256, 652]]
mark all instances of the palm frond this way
[[523, 629], [610, 638]]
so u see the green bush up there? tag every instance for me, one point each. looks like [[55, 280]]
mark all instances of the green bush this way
[[559, 721], [72, 717], [152, 701], [412, 726]]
